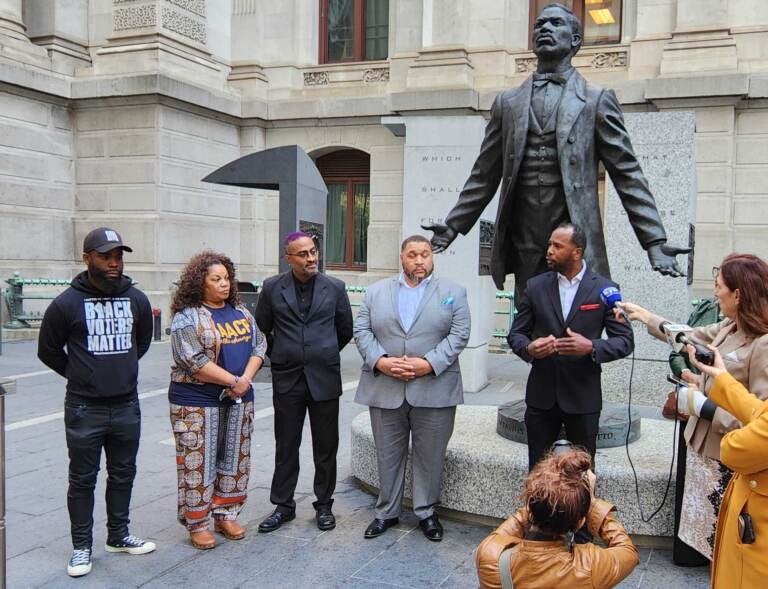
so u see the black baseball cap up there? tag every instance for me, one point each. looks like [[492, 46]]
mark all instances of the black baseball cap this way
[[103, 240]]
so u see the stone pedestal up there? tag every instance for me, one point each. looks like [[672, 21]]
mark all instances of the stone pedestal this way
[[439, 153], [437, 67], [14, 42], [163, 36], [664, 145], [61, 28], [443, 61], [483, 473], [701, 42], [615, 423], [691, 54]]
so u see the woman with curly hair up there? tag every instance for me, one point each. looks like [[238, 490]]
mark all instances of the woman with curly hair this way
[[217, 350], [534, 548]]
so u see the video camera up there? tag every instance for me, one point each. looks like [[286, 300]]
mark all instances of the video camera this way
[[677, 336], [562, 447]]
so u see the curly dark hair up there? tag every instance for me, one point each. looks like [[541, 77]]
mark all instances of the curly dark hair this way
[[189, 290]]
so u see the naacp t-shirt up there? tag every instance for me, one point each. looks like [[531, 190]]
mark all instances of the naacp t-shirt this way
[[236, 348]]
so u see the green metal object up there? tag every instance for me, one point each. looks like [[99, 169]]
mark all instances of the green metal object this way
[[508, 311], [14, 299]]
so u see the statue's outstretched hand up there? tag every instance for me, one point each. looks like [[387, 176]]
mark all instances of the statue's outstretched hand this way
[[662, 258], [442, 236]]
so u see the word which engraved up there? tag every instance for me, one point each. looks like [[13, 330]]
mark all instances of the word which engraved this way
[[434, 159]]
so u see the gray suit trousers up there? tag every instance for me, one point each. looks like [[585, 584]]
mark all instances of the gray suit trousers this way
[[430, 428]]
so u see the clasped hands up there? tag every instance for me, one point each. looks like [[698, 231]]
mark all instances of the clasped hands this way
[[239, 389], [573, 345], [403, 368]]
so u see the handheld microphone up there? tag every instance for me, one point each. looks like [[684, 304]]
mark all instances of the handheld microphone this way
[[678, 333], [610, 295]]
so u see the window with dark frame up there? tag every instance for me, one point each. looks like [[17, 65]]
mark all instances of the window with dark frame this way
[[601, 19], [353, 30], [346, 172]]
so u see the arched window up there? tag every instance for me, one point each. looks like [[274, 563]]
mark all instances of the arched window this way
[[347, 174]]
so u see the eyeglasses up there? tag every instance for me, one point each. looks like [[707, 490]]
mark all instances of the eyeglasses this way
[[305, 254], [715, 271]]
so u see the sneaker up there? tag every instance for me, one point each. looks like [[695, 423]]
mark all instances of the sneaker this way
[[131, 545], [80, 563]]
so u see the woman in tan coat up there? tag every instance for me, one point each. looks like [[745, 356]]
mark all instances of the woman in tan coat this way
[[534, 548], [741, 288], [740, 560]]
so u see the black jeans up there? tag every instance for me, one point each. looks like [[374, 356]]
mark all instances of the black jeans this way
[[290, 409], [89, 427]]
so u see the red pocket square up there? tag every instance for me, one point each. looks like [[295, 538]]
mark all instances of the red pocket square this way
[[591, 307]]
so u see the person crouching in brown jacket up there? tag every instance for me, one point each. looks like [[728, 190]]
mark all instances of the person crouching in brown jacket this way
[[534, 548]]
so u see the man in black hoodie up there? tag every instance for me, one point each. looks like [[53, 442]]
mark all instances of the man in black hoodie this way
[[105, 324]]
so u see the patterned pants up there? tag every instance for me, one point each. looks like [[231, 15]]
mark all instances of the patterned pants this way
[[213, 460]]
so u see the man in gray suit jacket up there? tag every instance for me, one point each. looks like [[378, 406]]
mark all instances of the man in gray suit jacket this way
[[410, 331]]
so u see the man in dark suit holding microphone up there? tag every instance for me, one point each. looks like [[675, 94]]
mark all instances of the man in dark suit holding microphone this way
[[307, 319], [558, 329]]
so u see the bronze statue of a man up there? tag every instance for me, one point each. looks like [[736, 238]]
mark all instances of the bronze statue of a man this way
[[543, 143]]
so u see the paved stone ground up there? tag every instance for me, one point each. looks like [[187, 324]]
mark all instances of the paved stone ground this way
[[297, 556]]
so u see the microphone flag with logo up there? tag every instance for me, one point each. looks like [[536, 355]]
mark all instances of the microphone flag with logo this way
[[610, 295]]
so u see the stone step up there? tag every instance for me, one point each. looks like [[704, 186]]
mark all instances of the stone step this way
[[484, 472]]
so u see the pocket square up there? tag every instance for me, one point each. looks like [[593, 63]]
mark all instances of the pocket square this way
[[591, 307], [447, 301], [732, 357]]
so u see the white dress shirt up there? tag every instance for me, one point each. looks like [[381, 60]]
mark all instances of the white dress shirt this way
[[408, 300], [568, 289]]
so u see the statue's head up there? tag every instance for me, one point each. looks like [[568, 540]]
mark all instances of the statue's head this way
[[557, 33]]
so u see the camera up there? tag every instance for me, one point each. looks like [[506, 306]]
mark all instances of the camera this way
[[562, 447]]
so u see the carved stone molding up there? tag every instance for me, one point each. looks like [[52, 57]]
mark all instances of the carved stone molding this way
[[184, 25], [315, 78], [183, 17], [195, 6], [525, 65], [243, 7], [376, 75], [134, 17], [609, 60]]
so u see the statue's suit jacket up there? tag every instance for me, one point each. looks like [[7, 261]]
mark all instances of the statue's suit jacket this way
[[590, 128], [439, 333]]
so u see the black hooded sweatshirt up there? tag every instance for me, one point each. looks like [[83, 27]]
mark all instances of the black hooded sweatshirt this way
[[104, 334]]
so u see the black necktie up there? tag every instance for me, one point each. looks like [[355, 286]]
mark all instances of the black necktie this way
[[541, 79]]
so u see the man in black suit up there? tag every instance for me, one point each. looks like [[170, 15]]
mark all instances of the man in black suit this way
[[558, 329], [307, 319], [543, 143]]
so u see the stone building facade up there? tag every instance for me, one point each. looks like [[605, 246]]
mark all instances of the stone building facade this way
[[111, 111]]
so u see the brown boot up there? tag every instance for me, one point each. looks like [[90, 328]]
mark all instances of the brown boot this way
[[230, 529], [202, 540]]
